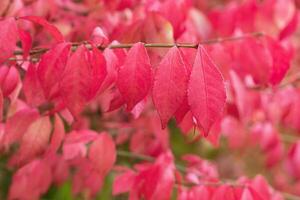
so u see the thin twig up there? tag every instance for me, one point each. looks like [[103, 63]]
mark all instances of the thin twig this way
[[38, 51], [182, 169], [289, 196], [134, 155], [145, 158]]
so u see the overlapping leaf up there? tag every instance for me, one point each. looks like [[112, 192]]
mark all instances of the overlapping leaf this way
[[55, 33], [206, 91], [135, 76], [103, 153], [8, 38], [170, 85], [82, 78], [51, 67]]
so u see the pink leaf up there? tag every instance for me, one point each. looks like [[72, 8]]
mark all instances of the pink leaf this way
[[123, 182], [281, 61], [87, 179], [57, 135], [170, 85], [30, 181], [111, 67], [74, 144], [224, 192], [103, 153], [9, 79], [32, 87], [17, 125], [114, 100], [240, 93], [138, 108], [51, 67], [99, 37], [82, 78], [26, 41], [1, 105], [134, 77], [34, 141], [206, 91], [184, 108], [291, 26], [8, 38], [55, 33]]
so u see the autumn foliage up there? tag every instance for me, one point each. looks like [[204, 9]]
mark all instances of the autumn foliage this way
[[150, 99]]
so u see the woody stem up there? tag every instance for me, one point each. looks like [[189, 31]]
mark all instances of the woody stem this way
[[38, 51]]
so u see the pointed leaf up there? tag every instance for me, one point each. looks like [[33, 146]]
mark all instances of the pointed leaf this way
[[103, 153], [8, 38], [34, 141], [32, 87], [134, 77], [55, 33], [170, 85], [82, 78], [74, 143], [30, 181], [9, 79], [51, 67], [1, 105], [184, 108], [291, 26], [57, 135], [123, 182], [16, 125], [26, 41], [206, 91], [281, 61]]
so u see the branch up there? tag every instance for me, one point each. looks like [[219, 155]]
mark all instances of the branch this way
[[182, 169], [38, 51], [145, 158]]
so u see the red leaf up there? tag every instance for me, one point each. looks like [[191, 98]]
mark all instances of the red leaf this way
[[98, 37], [123, 183], [281, 61], [103, 153], [206, 91], [87, 179], [114, 59], [134, 77], [290, 28], [111, 67], [26, 41], [34, 141], [55, 33], [1, 105], [17, 125], [240, 93], [170, 85], [30, 181], [8, 38], [9, 79], [74, 144], [51, 67], [114, 100], [32, 87], [82, 78], [224, 192], [252, 57], [184, 108], [57, 135]]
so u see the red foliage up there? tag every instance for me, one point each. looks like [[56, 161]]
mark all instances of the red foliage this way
[[62, 97]]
